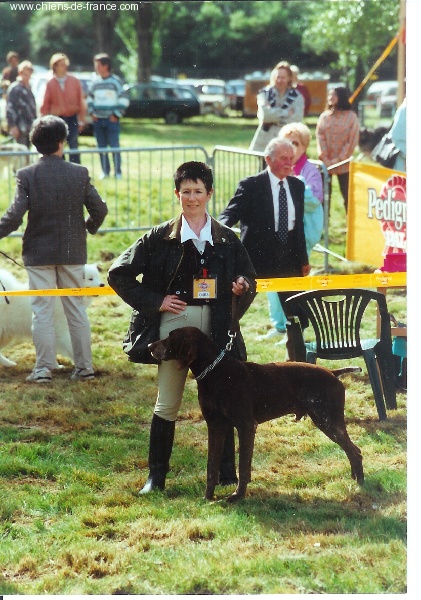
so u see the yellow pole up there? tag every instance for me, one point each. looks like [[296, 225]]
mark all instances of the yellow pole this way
[[402, 54], [384, 55]]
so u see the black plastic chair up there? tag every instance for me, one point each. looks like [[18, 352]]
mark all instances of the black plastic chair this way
[[336, 316]]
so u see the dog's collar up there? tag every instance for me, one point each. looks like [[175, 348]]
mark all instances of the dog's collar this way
[[211, 367]]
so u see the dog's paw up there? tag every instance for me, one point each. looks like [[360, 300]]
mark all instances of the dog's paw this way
[[6, 362], [234, 498]]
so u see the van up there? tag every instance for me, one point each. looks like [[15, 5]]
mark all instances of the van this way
[[212, 93]]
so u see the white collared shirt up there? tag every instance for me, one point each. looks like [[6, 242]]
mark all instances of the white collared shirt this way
[[205, 234], [274, 184]]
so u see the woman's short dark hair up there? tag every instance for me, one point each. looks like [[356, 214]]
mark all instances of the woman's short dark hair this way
[[194, 170], [343, 93], [47, 132]]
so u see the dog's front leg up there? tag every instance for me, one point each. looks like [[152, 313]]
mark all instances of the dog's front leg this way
[[246, 435], [217, 429]]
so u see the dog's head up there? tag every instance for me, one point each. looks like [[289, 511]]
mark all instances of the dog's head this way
[[180, 345], [369, 138], [91, 276]]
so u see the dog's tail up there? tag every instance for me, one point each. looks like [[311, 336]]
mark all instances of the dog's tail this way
[[339, 372]]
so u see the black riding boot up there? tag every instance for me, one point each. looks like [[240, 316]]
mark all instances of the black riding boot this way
[[160, 448], [227, 474]]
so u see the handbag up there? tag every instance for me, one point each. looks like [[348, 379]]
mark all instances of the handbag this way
[[141, 332], [385, 152]]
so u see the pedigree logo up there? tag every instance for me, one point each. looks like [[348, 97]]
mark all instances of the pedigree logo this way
[[389, 208]]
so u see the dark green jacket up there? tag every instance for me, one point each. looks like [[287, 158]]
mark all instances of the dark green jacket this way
[[156, 257]]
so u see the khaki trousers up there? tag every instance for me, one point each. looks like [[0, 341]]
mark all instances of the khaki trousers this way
[[43, 333], [171, 380]]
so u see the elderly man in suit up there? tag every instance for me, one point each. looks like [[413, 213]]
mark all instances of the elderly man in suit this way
[[270, 209], [55, 193]]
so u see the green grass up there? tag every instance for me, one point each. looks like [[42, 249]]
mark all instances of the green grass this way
[[72, 457]]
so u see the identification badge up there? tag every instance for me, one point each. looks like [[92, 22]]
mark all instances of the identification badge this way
[[204, 288]]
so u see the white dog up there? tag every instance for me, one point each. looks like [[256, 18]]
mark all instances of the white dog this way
[[9, 164], [16, 314]]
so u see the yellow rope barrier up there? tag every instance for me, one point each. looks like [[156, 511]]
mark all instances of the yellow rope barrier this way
[[293, 284]]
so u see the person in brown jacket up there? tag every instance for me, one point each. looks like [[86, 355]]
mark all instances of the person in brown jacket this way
[[53, 196], [64, 98]]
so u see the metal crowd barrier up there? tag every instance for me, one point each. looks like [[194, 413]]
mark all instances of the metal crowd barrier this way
[[144, 196]]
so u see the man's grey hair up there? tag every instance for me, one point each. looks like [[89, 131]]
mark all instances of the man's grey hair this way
[[276, 143]]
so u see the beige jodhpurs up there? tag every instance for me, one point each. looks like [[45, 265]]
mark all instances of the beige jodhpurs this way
[[171, 380]]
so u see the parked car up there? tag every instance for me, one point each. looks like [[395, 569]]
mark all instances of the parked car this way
[[161, 100], [331, 85], [387, 105], [212, 94], [378, 88], [239, 86]]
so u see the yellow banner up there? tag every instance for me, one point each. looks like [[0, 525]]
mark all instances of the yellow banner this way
[[376, 213], [293, 284]]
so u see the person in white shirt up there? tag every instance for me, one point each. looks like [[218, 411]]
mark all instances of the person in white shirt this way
[[191, 267]]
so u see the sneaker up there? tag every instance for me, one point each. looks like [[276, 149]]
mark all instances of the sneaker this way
[[282, 342], [103, 176], [119, 176], [270, 335], [82, 375], [40, 376]]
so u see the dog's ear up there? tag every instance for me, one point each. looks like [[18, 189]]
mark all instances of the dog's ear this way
[[183, 348]]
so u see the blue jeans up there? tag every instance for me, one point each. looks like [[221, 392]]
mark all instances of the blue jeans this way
[[72, 137], [107, 133]]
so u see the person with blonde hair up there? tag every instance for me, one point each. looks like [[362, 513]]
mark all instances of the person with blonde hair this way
[[300, 136], [64, 98], [277, 104]]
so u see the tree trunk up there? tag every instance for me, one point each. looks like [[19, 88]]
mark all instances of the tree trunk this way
[[104, 25], [144, 39]]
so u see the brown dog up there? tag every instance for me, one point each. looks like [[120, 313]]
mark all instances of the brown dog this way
[[246, 394]]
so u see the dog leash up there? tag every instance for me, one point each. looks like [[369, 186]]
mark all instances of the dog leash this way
[[12, 259], [235, 324], [1, 283], [232, 333], [212, 366], [4, 289]]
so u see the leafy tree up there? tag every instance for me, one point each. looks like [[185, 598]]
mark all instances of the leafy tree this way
[[139, 33], [358, 30], [240, 36], [62, 31], [217, 37], [104, 22], [14, 34]]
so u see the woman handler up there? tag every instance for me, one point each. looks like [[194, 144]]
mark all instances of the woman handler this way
[[190, 266]]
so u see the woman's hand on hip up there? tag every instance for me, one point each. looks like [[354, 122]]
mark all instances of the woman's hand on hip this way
[[173, 304]]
